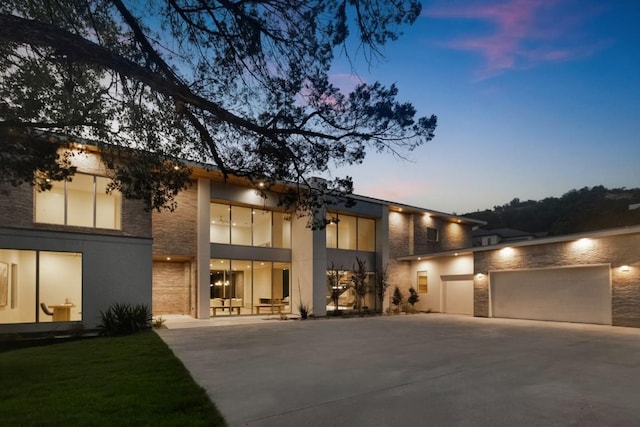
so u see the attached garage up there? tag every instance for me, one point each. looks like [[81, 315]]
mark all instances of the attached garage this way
[[458, 296], [568, 294]]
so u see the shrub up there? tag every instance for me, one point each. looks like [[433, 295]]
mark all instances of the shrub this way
[[413, 298], [304, 310], [397, 297], [124, 319]]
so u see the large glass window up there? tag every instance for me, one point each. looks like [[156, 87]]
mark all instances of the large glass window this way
[[40, 286], [81, 202], [281, 230], [332, 233], [351, 233], [366, 234], [108, 206], [249, 287], [220, 221], [239, 225], [347, 232], [341, 291], [261, 228]]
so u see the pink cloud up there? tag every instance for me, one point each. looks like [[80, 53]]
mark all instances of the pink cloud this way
[[524, 33]]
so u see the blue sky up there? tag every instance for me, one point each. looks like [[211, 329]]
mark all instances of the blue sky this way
[[533, 98]]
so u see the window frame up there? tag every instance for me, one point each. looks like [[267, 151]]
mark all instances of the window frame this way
[[333, 219], [117, 218]]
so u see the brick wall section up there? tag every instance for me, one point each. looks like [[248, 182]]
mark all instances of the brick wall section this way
[[171, 287], [400, 234], [401, 237], [17, 207], [455, 236], [615, 250], [451, 235], [175, 233]]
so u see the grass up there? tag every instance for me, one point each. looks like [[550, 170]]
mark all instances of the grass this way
[[126, 381]]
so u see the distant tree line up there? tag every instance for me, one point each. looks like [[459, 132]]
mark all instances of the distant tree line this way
[[577, 211]]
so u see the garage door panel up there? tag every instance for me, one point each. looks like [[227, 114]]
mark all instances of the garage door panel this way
[[459, 297], [576, 294]]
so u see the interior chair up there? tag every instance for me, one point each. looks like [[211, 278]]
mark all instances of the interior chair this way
[[45, 309]]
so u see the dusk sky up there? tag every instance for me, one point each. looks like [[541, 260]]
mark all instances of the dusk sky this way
[[533, 97]]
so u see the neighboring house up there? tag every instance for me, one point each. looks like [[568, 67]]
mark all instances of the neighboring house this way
[[482, 237]]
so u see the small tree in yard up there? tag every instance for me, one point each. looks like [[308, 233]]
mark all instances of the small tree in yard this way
[[413, 298], [333, 286], [382, 284], [360, 283], [397, 297]]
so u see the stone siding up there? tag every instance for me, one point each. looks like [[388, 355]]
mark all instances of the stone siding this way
[[451, 235], [614, 250], [400, 234]]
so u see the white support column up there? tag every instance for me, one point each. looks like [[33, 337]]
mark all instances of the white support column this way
[[308, 267], [382, 247], [203, 249]]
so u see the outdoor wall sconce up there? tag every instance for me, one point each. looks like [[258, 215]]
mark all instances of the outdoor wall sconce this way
[[624, 268], [480, 276]]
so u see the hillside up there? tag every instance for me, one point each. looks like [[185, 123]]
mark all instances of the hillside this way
[[577, 211]]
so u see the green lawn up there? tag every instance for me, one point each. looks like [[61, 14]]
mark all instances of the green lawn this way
[[127, 381]]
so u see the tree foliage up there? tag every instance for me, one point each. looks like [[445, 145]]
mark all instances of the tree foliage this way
[[586, 209], [240, 84], [382, 284], [413, 297]]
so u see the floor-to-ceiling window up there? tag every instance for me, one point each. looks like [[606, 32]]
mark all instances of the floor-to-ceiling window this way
[[245, 226], [249, 287], [351, 233], [341, 290], [40, 286]]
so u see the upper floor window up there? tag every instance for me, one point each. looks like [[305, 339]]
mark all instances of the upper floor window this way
[[238, 225], [81, 202], [351, 232], [432, 234]]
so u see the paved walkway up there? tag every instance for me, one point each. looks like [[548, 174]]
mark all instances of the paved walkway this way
[[417, 370]]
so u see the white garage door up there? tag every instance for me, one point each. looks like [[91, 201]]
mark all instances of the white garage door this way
[[458, 296], [576, 294]]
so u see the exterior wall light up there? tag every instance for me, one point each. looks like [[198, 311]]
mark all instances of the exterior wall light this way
[[480, 276], [624, 268]]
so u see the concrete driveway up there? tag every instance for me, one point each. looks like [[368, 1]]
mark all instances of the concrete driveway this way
[[417, 370]]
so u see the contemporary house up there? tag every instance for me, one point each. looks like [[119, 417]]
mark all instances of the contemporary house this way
[[67, 254]]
